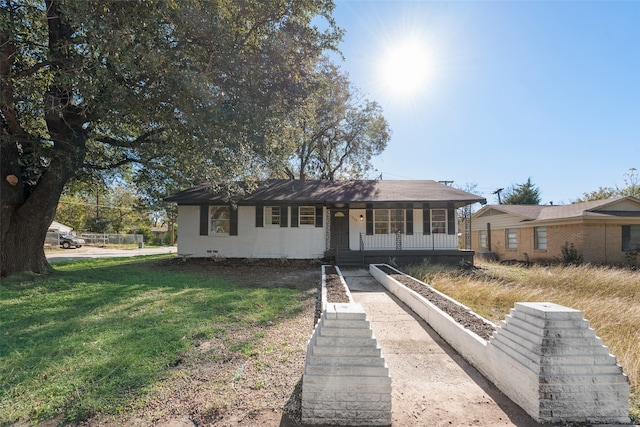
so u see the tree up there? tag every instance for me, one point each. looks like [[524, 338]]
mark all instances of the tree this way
[[337, 131], [191, 89], [631, 188], [522, 194]]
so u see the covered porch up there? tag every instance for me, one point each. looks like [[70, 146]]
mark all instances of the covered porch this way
[[395, 233]]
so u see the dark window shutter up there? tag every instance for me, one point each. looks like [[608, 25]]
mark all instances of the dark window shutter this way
[[294, 215], [451, 220], [369, 220], [259, 216], [204, 220], [284, 216], [409, 218], [233, 221], [426, 219], [318, 216]]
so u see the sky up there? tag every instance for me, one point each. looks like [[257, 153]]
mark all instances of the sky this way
[[488, 94]]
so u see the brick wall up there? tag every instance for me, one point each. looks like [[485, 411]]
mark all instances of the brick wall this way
[[597, 243]]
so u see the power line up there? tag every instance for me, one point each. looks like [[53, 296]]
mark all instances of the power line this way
[[94, 205]]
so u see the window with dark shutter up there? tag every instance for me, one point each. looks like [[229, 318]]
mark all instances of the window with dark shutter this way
[[451, 220], [294, 215], [204, 220], [369, 220], [233, 221], [426, 219], [284, 216], [319, 216], [409, 220], [259, 216]]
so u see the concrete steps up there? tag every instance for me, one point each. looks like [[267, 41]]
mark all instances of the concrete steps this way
[[573, 375], [346, 379]]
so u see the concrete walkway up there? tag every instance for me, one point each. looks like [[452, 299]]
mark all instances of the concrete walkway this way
[[432, 385]]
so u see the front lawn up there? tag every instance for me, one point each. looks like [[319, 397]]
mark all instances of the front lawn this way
[[100, 336]]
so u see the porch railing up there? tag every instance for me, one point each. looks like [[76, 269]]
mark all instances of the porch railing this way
[[408, 242]]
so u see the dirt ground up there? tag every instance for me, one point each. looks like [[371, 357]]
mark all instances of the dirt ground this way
[[215, 386]]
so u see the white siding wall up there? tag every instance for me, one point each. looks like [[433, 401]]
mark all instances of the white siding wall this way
[[251, 241], [356, 227]]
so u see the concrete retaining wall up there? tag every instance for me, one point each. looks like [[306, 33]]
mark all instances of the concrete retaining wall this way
[[346, 380], [543, 356]]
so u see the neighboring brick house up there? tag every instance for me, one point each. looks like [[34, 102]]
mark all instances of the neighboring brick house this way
[[602, 231]]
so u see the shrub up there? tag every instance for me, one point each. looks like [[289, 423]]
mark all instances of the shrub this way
[[570, 255]]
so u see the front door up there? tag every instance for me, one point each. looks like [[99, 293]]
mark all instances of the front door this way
[[339, 229]]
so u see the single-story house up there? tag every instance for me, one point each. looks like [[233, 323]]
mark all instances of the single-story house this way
[[351, 222], [602, 232]]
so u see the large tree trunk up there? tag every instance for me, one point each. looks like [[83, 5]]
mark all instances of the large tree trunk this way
[[26, 214], [23, 244], [30, 188]]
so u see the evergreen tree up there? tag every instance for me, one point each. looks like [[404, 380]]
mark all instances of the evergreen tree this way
[[522, 194]]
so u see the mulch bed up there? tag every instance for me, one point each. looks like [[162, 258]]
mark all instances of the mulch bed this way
[[335, 289], [460, 314], [337, 293]]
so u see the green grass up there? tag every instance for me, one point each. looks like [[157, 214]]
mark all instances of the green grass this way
[[609, 298], [96, 335]]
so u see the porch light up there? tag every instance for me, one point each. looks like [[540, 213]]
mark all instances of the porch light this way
[[361, 218]]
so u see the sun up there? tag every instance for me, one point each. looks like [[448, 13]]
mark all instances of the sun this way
[[405, 68]]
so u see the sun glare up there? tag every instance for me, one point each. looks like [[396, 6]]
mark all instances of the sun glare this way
[[404, 68]]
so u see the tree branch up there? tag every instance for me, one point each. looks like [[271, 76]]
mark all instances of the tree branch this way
[[31, 70], [112, 165], [142, 139]]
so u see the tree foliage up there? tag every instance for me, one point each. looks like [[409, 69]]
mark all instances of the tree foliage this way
[[182, 90], [522, 194], [631, 188], [337, 131]]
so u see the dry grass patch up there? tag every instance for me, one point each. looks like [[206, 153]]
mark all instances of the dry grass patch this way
[[609, 298]]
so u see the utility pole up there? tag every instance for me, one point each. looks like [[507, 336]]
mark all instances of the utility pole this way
[[498, 193]]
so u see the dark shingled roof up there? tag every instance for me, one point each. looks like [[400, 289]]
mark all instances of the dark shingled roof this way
[[322, 191]]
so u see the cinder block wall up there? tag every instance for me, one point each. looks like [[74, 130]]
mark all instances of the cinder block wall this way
[[346, 380]]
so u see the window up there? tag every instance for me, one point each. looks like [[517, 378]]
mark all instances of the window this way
[[388, 221], [219, 220], [482, 239], [396, 220], [540, 238], [307, 215], [272, 215], [438, 221], [512, 238], [630, 238], [381, 221]]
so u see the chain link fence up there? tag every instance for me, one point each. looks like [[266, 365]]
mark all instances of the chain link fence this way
[[99, 239]]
